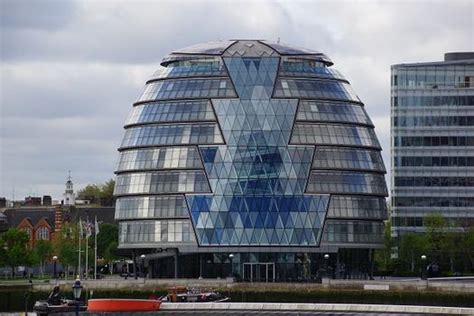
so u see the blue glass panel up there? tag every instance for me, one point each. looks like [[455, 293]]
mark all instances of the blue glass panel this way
[[187, 88], [357, 207], [256, 176], [156, 231], [324, 111], [169, 111], [317, 89], [347, 182], [166, 206], [160, 158], [196, 133], [211, 66], [297, 67], [161, 182], [347, 158], [337, 231], [332, 134]]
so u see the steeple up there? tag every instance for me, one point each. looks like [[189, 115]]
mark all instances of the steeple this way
[[69, 195]]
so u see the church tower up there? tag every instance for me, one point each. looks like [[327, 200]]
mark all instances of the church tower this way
[[69, 195]]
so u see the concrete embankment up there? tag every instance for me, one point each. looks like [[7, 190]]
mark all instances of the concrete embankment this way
[[302, 307], [14, 297], [154, 284]]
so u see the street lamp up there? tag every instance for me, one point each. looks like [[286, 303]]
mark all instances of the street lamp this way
[[142, 268], [55, 261], [423, 267], [326, 260], [76, 291], [231, 256]]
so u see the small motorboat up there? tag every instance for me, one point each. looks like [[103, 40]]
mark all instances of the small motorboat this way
[[122, 305], [185, 295], [43, 307], [56, 304]]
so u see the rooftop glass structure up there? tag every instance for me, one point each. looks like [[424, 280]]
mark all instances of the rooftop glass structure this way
[[252, 148]]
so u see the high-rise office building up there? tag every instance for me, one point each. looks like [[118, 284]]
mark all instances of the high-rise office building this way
[[433, 143], [254, 159]]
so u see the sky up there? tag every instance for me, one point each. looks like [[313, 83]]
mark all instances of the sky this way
[[70, 71]]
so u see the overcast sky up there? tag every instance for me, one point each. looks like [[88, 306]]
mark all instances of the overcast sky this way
[[70, 71]]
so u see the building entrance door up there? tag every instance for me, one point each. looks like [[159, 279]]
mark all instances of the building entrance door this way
[[259, 271]]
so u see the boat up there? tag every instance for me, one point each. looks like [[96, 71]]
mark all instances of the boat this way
[[122, 305], [43, 307], [185, 295], [56, 304]]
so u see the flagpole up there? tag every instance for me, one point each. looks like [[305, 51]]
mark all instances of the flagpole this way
[[87, 249], [96, 226], [80, 250]]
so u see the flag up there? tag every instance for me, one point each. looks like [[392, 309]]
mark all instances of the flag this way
[[96, 227], [81, 231], [88, 227]]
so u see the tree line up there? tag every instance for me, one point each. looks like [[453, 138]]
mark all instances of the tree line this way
[[451, 249], [15, 248]]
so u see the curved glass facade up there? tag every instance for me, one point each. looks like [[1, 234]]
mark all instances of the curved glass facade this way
[[248, 147]]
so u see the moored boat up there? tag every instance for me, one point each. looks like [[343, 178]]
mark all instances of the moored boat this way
[[184, 295], [43, 307], [55, 303], [122, 305]]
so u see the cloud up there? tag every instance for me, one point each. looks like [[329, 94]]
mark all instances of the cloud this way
[[71, 70], [142, 32], [40, 15]]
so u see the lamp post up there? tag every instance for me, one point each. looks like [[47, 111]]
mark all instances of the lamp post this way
[[55, 262], [231, 256], [76, 291], [326, 263], [142, 268], [423, 267]]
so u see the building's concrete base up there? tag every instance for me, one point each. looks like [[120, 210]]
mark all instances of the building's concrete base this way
[[303, 307]]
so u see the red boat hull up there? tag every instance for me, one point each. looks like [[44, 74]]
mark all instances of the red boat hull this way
[[122, 305]]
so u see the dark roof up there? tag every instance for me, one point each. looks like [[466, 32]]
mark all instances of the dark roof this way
[[285, 49], [104, 214], [3, 222], [453, 58], [240, 48], [16, 215], [208, 48], [458, 56]]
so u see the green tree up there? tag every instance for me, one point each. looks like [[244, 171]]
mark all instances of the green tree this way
[[107, 189], [15, 247], [468, 248], [449, 244], [383, 256], [91, 192], [98, 193], [43, 252], [65, 245], [412, 247], [107, 242], [435, 232], [110, 252], [3, 253]]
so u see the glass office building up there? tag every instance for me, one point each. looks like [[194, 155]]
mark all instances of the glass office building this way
[[251, 159], [433, 143]]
